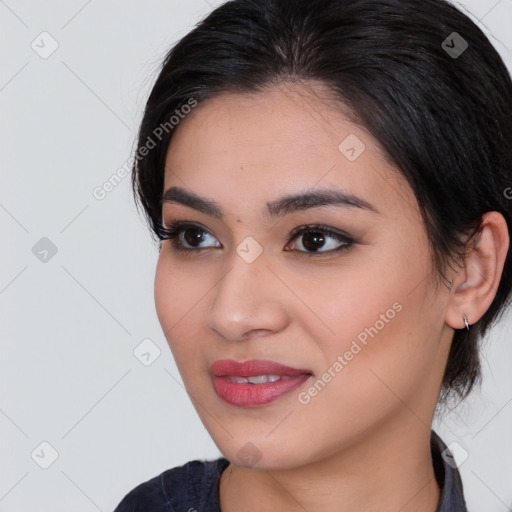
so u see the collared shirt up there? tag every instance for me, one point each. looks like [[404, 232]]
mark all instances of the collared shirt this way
[[194, 487]]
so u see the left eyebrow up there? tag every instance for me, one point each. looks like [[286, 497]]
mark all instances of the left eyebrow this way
[[278, 208]]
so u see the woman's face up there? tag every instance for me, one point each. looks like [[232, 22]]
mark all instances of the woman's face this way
[[356, 315]]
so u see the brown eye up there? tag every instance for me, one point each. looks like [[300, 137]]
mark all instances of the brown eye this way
[[193, 236], [313, 241], [185, 236], [319, 240]]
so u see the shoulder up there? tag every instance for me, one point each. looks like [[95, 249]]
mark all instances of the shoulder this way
[[192, 484]]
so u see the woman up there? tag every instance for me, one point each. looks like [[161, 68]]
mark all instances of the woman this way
[[330, 185]]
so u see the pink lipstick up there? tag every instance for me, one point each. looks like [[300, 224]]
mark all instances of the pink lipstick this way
[[255, 382]]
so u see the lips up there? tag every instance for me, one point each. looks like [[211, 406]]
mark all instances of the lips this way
[[252, 368], [256, 382]]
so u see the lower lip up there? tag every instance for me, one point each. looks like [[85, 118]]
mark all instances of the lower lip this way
[[255, 395]]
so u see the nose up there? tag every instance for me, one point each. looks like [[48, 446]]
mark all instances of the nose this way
[[249, 300]]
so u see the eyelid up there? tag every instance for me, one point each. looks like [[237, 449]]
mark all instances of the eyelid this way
[[318, 227]]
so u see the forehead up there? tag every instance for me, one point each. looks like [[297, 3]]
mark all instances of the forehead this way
[[282, 119], [282, 139]]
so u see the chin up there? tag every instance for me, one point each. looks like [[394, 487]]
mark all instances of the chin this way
[[263, 454]]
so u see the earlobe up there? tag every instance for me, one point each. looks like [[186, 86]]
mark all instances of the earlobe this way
[[475, 285]]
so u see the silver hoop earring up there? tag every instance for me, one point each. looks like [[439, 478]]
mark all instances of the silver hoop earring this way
[[466, 322]]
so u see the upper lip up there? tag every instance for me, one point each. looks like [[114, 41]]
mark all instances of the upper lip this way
[[253, 367]]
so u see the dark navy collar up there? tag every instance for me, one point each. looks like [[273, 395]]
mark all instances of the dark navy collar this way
[[447, 476]]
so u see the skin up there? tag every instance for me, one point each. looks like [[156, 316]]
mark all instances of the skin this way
[[363, 442]]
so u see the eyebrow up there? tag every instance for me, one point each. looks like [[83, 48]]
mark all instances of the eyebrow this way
[[279, 207]]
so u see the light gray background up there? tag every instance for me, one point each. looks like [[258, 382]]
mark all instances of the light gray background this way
[[69, 325]]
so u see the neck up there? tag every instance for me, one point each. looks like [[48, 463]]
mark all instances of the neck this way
[[390, 470]]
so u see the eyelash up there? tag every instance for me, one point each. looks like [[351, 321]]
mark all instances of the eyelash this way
[[175, 228]]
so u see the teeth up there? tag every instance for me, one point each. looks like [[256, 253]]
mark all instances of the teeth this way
[[257, 379]]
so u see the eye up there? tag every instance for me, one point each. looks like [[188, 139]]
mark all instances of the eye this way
[[186, 236], [320, 239], [314, 240]]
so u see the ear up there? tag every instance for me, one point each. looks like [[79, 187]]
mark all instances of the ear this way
[[474, 286]]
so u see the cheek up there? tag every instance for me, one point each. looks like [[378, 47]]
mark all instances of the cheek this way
[[173, 299], [176, 291], [382, 321], [164, 294], [357, 301], [178, 305]]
